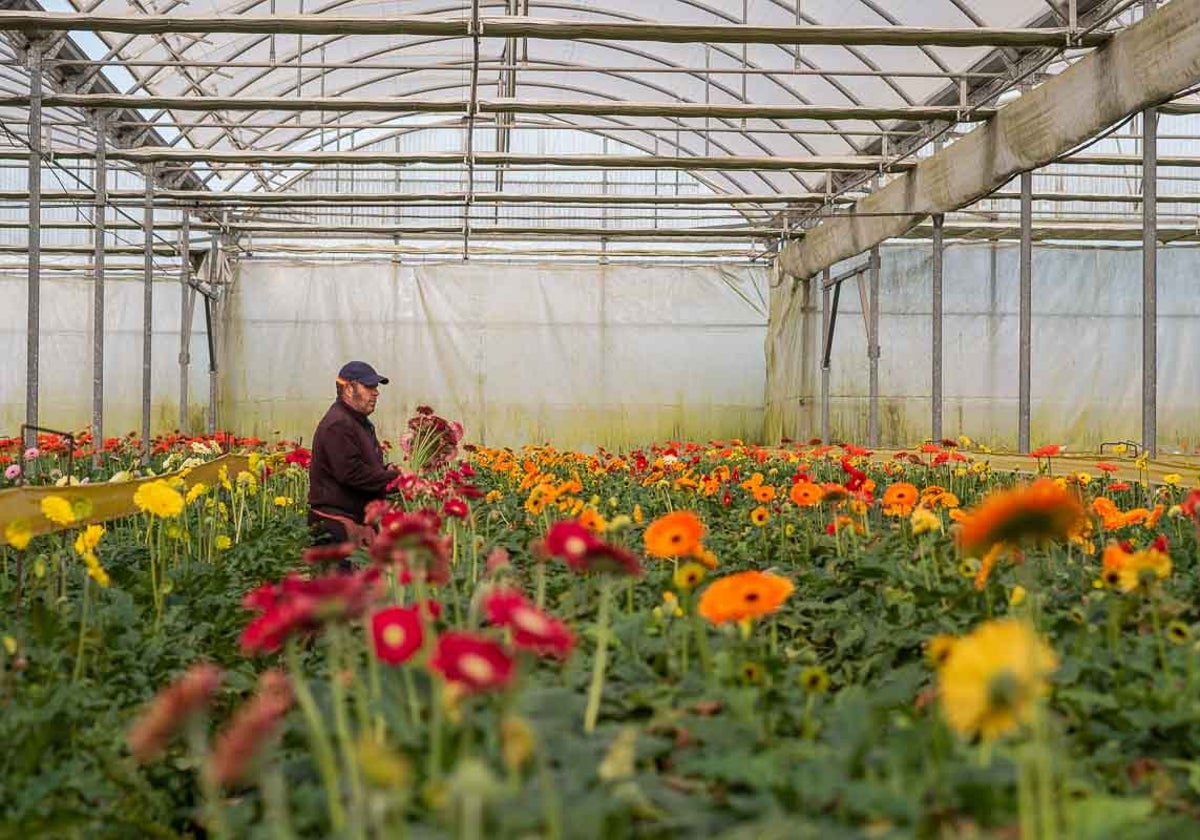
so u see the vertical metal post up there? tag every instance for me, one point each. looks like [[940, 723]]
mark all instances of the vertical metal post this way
[[185, 319], [99, 227], [34, 300], [936, 389], [147, 303], [826, 275], [1150, 280], [214, 283], [1025, 313], [873, 354]]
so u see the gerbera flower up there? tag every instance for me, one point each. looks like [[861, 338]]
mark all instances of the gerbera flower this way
[[688, 576], [814, 680], [170, 709], [570, 540], [764, 493], [759, 516], [1040, 511], [474, 663], [937, 649], [899, 499], [992, 678], [59, 511], [397, 634], [676, 534], [158, 498], [1178, 632], [744, 596], [1128, 570], [532, 628], [805, 493], [925, 521]]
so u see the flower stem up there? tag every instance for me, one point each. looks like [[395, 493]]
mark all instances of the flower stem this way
[[339, 665], [326, 762], [592, 712], [83, 617]]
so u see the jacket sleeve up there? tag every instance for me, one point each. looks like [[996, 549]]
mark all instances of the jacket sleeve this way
[[351, 467]]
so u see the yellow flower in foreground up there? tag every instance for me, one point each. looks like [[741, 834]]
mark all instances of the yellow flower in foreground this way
[[1172, 479], [759, 516], [58, 510], [282, 501], [196, 491], [925, 521], [688, 576], [157, 498], [1017, 596], [18, 534], [88, 539], [223, 543], [992, 678]]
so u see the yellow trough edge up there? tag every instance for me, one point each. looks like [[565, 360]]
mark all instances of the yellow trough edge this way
[[108, 501]]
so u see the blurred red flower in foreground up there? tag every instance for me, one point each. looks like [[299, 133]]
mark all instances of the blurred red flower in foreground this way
[[473, 662]]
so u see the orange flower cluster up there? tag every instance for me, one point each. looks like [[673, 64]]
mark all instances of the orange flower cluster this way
[[1039, 511], [900, 499], [744, 596], [678, 534], [1114, 518], [1127, 570]]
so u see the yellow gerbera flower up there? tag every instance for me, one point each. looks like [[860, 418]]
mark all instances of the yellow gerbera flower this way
[[157, 498], [58, 510], [992, 678], [18, 534]]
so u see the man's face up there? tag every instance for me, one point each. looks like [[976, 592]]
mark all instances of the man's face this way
[[362, 398]]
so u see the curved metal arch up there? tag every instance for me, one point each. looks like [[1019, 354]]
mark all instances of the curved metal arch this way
[[402, 131], [657, 133], [843, 90], [566, 124]]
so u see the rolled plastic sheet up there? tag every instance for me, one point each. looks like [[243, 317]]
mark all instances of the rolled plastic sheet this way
[[104, 501]]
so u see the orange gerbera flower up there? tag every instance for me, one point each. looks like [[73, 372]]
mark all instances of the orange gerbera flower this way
[[675, 534], [899, 499], [805, 493], [1040, 511], [764, 493], [744, 596]]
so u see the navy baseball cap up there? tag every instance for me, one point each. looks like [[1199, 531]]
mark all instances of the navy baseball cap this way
[[361, 372]]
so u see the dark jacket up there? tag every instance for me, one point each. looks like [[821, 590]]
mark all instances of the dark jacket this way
[[347, 469]]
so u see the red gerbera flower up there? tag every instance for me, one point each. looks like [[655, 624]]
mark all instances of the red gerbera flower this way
[[397, 634], [532, 628], [570, 540], [455, 507], [473, 662]]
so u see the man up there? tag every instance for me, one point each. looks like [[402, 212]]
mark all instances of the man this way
[[347, 470]]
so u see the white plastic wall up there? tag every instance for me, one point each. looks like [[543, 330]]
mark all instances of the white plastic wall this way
[[1086, 333], [65, 379], [579, 355]]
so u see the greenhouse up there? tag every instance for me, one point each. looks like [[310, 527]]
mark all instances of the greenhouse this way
[[547, 418]]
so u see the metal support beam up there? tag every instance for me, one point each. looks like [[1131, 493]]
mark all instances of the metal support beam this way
[[401, 105], [99, 231], [936, 355], [147, 307], [545, 29], [215, 281], [873, 353], [34, 299], [163, 154], [1149, 282], [186, 300], [826, 344], [1025, 314], [1154, 59], [289, 198]]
